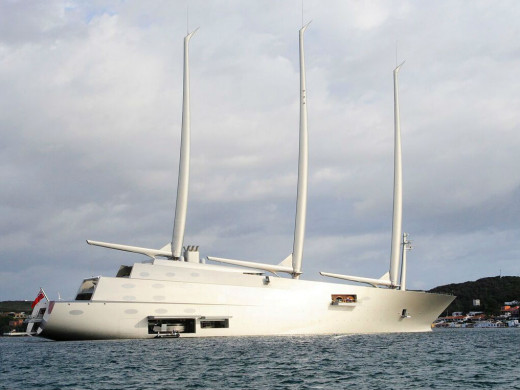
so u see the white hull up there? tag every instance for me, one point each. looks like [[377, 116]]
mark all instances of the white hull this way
[[124, 307]]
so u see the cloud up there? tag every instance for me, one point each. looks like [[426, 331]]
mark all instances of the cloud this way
[[90, 124]]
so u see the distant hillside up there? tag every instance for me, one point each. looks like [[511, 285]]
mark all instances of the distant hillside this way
[[16, 306], [492, 292]]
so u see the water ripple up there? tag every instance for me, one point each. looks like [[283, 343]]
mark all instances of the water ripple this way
[[454, 359]]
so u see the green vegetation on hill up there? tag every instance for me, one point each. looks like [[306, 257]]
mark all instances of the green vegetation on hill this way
[[492, 292], [16, 306]]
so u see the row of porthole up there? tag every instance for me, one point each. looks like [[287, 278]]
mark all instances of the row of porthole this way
[[127, 311], [130, 285], [157, 285], [169, 274], [145, 274], [155, 298], [130, 311]]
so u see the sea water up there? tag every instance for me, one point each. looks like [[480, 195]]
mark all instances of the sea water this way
[[443, 359]]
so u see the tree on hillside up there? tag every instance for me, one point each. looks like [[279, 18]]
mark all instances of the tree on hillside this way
[[492, 292]]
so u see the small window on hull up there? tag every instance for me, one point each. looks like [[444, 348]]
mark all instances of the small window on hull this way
[[124, 271], [204, 324], [84, 297], [87, 289], [343, 298]]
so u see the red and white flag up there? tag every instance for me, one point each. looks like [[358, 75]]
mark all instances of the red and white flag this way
[[40, 296]]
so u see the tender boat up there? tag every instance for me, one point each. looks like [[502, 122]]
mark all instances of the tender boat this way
[[14, 333]]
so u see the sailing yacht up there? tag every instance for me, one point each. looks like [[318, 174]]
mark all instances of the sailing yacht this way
[[174, 294]]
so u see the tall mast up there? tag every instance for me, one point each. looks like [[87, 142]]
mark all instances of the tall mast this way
[[181, 205], [301, 197], [398, 188]]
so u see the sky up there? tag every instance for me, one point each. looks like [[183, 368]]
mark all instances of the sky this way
[[90, 117]]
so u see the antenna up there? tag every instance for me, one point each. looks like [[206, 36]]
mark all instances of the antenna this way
[[407, 246], [396, 42]]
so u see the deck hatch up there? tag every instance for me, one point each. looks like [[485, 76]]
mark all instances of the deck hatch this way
[[158, 324], [173, 317]]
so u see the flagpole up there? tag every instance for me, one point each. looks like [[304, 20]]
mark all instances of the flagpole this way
[[45, 295]]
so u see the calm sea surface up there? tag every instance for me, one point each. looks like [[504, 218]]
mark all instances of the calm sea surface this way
[[444, 359]]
